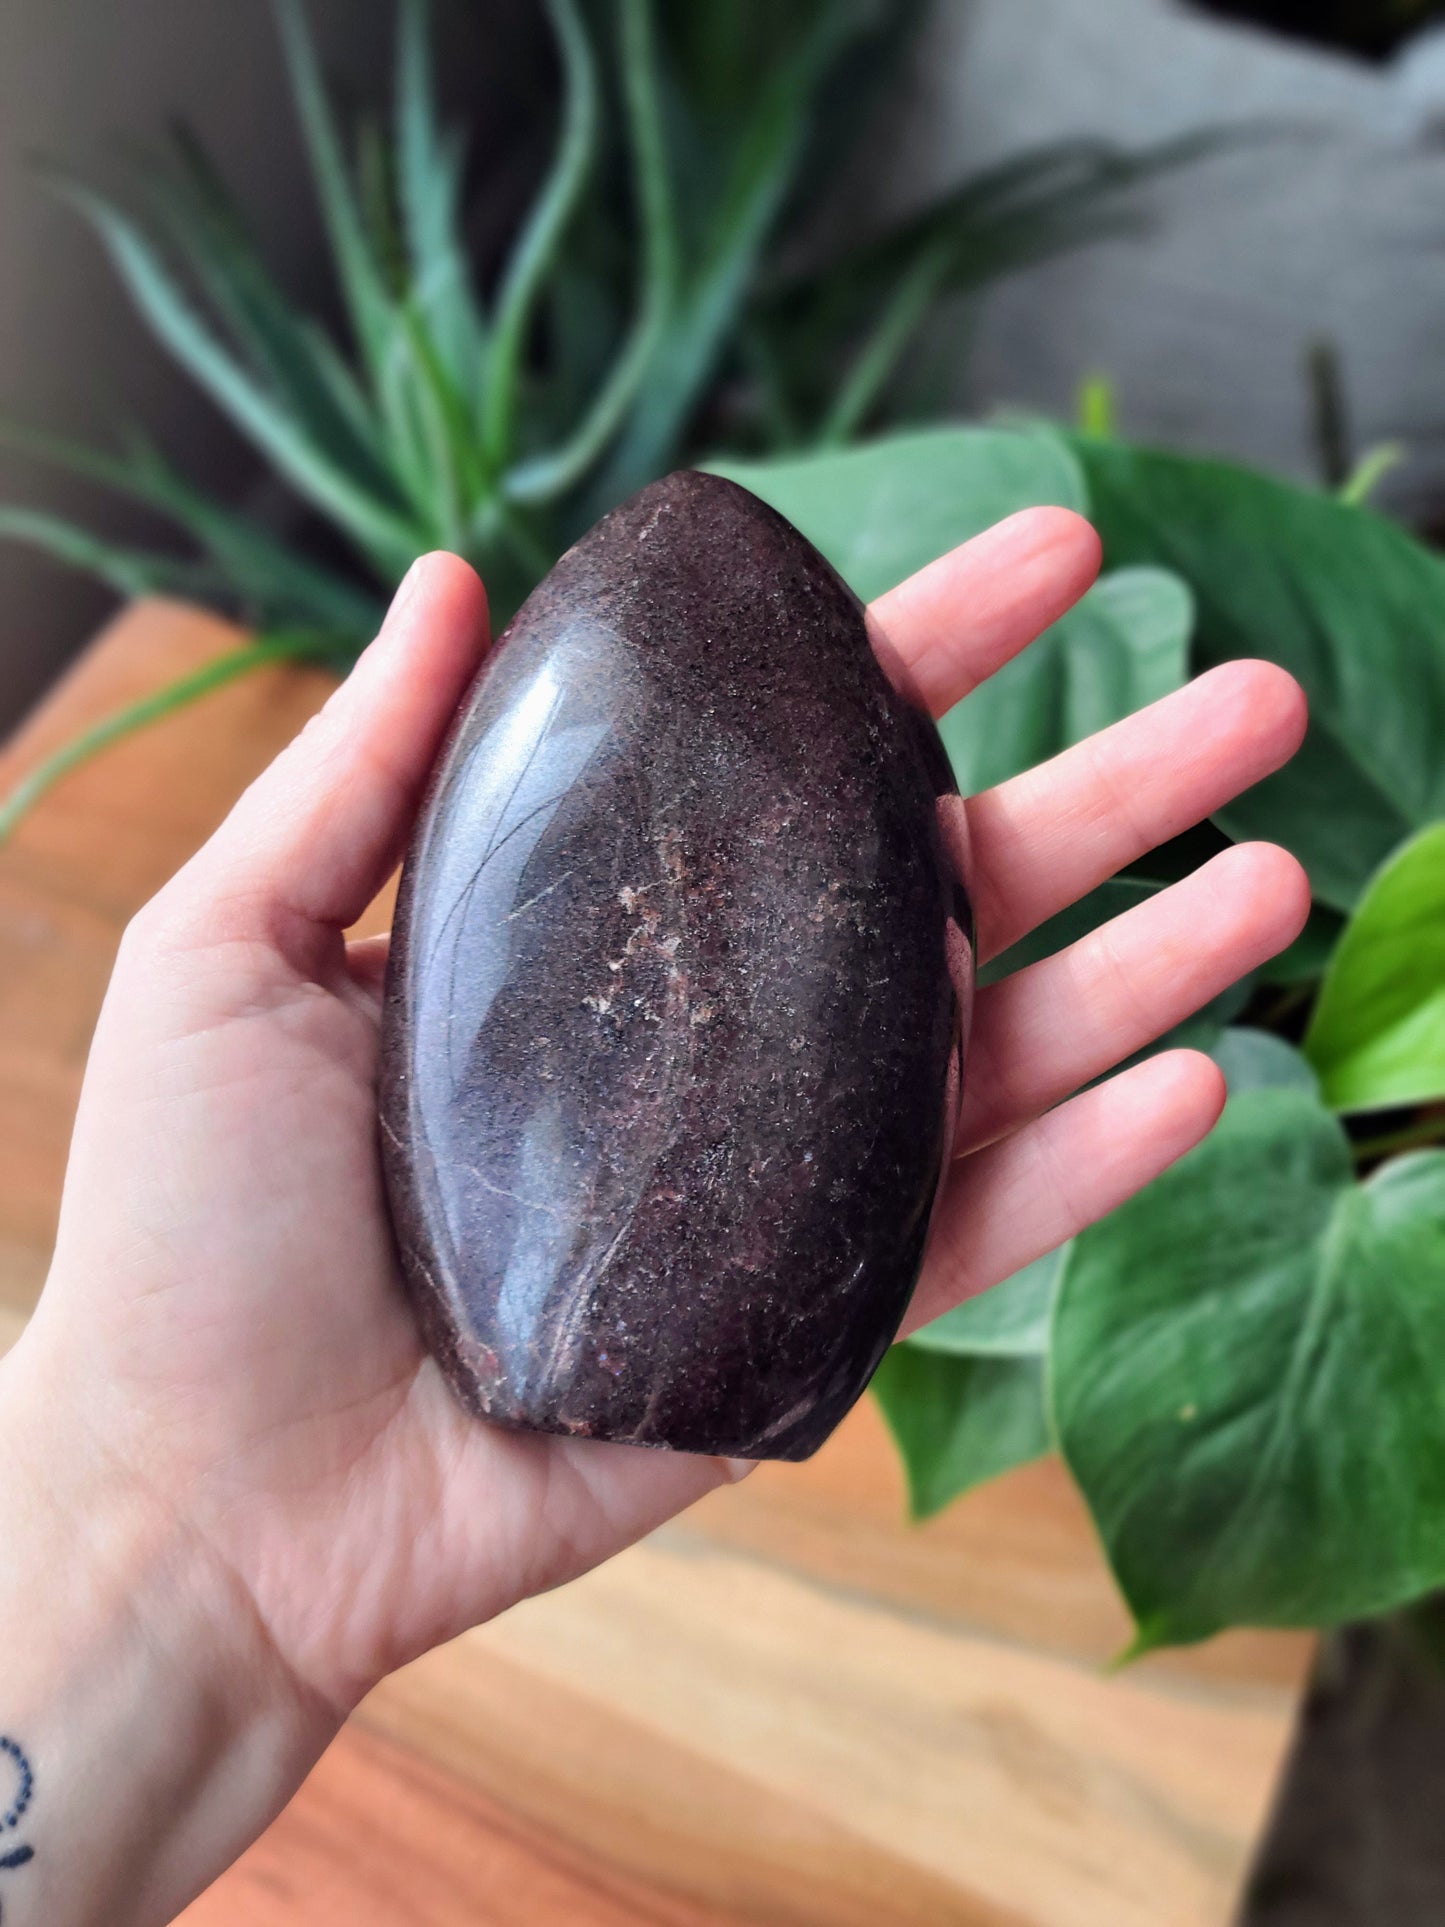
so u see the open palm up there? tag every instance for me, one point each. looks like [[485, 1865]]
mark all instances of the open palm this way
[[225, 1299]]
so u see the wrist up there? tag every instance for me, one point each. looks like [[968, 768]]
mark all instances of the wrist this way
[[160, 1727]]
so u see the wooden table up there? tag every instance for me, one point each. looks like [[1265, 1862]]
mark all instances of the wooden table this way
[[787, 1707]]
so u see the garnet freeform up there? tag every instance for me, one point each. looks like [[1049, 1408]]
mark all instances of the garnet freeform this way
[[677, 996]]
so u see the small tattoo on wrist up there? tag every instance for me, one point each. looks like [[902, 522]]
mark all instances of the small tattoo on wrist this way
[[17, 1785]]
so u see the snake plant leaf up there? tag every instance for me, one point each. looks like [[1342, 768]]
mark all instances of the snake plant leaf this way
[[535, 250], [129, 571], [376, 197], [870, 301], [1377, 1036], [151, 709], [1244, 1374], [276, 583], [272, 580], [959, 1421], [386, 537], [307, 377], [1349, 603], [727, 231], [361, 280], [547, 476], [429, 174]]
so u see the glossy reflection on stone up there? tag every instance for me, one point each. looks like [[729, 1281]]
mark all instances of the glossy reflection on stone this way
[[678, 987]]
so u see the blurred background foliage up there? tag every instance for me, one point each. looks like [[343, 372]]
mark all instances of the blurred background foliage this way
[[658, 297]]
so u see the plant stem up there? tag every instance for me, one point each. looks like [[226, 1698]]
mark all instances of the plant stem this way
[[1371, 469], [1097, 411], [880, 355], [1424, 1132], [1290, 999]]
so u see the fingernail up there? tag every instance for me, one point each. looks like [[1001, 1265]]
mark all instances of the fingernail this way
[[738, 1469]]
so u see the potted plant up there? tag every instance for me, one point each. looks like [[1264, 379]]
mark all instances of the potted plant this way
[[657, 300], [455, 426], [1238, 1367]]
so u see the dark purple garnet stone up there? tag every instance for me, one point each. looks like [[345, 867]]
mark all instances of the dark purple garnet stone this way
[[677, 996]]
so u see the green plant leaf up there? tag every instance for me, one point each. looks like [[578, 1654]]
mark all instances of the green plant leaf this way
[[387, 537], [1371, 469], [844, 328], [748, 181], [150, 709], [274, 582], [960, 1421], [1122, 647], [1349, 603], [883, 510], [1201, 1030], [1047, 201], [1011, 1320], [129, 571], [1245, 1379], [361, 278], [1111, 899], [276, 585], [1377, 1037], [429, 172], [1310, 952], [549, 475], [1257, 1060], [536, 247], [303, 370], [964, 1397]]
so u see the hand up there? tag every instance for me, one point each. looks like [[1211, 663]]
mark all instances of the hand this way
[[224, 1331]]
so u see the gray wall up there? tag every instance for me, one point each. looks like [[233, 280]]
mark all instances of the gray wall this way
[[1203, 323], [76, 77]]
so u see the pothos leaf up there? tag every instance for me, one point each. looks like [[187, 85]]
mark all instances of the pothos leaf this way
[[1244, 1375]]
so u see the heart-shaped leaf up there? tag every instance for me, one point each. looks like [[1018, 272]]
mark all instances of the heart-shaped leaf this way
[[1257, 1060], [881, 511], [1377, 1038], [1349, 603], [960, 1421], [964, 1398], [1010, 1321], [1245, 1374], [1309, 955], [1122, 647]]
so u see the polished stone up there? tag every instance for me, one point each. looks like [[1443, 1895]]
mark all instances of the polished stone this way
[[679, 982]]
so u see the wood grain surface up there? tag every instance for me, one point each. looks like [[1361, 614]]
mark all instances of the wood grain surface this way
[[789, 1706]]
